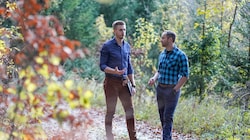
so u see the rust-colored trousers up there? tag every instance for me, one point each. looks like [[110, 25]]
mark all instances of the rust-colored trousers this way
[[114, 89]]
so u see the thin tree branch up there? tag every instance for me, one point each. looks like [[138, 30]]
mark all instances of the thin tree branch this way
[[231, 26]]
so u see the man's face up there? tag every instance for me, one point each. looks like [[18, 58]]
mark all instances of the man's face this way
[[165, 40], [120, 31]]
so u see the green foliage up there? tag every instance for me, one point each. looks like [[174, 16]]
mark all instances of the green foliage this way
[[105, 1], [81, 25], [78, 18], [235, 62], [242, 39], [104, 32], [129, 11], [148, 111], [85, 68], [202, 28], [171, 15], [209, 119], [213, 118], [203, 57], [145, 38]]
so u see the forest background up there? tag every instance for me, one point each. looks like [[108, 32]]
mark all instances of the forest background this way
[[215, 35]]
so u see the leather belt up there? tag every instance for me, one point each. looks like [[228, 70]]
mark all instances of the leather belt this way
[[114, 77], [166, 85]]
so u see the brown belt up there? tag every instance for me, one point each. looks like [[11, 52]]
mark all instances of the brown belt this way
[[166, 85], [115, 78]]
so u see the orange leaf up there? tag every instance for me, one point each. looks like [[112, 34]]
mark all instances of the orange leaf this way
[[20, 58], [71, 96], [2, 11]]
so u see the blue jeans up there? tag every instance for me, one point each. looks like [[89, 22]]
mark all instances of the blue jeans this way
[[167, 103]]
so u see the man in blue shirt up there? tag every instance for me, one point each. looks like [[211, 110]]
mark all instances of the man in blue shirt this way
[[173, 72], [115, 62]]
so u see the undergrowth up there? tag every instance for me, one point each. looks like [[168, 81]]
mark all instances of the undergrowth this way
[[210, 119], [207, 120]]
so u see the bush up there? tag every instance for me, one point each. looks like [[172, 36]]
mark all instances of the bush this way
[[85, 68], [209, 119]]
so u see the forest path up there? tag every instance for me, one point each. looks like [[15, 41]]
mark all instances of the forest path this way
[[96, 130]]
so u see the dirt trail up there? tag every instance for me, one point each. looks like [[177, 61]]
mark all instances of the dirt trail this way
[[96, 130]]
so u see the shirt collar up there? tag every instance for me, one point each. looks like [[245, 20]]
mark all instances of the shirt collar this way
[[174, 50], [114, 41]]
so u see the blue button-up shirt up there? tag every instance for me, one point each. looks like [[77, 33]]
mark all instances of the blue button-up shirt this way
[[113, 55], [172, 66]]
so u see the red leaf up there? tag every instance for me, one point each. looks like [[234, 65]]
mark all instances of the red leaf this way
[[2, 11], [20, 58]]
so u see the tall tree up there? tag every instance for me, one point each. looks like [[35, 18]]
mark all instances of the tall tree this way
[[243, 27], [129, 11], [78, 18]]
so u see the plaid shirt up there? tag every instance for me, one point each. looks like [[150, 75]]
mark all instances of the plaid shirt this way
[[172, 66]]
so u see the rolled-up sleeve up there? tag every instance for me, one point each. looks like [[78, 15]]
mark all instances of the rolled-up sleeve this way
[[104, 54], [184, 68]]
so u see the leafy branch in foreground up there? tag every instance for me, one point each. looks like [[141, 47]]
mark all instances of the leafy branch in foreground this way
[[39, 93]]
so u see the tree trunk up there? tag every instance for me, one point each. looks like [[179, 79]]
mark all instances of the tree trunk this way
[[201, 87], [248, 70], [231, 26]]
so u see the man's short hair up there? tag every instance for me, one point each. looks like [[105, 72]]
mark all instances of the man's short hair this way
[[118, 22], [171, 34]]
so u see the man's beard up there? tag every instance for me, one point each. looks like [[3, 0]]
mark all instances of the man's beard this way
[[163, 45], [121, 37]]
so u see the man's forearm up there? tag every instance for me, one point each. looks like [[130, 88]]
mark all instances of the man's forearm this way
[[181, 82], [156, 76], [132, 79], [109, 70], [114, 71]]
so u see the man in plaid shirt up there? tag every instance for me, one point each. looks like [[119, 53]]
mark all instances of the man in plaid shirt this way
[[173, 72]]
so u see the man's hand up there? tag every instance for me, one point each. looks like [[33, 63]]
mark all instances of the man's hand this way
[[173, 91], [133, 91], [125, 82], [151, 81], [119, 72]]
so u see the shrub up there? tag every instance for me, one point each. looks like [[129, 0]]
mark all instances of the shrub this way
[[85, 68], [209, 119]]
